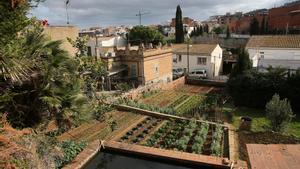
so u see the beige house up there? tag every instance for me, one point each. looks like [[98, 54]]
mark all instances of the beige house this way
[[207, 57], [143, 65], [62, 33]]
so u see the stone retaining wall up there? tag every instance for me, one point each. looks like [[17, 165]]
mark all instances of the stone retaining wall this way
[[136, 93], [206, 82]]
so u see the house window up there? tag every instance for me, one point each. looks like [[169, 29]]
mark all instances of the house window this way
[[133, 71], [179, 58], [201, 61], [262, 54], [156, 69], [89, 51]]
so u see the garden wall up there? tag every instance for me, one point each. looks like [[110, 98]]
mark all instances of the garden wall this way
[[136, 93], [159, 115], [206, 82]]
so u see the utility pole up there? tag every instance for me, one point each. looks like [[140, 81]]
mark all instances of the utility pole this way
[[67, 4], [188, 55], [140, 14]]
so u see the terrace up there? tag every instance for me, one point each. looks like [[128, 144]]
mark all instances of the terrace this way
[[154, 134]]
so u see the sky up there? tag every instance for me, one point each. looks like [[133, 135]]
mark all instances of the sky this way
[[88, 13]]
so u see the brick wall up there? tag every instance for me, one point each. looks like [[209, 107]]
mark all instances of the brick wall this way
[[280, 17]]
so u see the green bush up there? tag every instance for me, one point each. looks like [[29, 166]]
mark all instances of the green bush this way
[[279, 112], [254, 89]]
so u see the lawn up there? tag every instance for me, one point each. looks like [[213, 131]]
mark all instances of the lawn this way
[[259, 121]]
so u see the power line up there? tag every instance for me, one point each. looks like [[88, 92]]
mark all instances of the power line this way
[[140, 16]]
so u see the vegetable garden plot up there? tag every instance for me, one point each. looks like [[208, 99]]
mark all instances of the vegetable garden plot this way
[[191, 137], [138, 133], [163, 98], [193, 89]]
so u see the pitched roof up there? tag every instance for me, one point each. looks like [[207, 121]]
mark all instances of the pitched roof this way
[[205, 49], [278, 41]]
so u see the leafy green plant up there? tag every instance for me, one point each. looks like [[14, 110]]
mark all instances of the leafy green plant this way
[[216, 148], [71, 150], [200, 138]]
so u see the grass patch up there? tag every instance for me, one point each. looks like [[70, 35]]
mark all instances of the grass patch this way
[[259, 121]]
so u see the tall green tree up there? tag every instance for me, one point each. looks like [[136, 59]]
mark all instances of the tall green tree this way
[[243, 63], [200, 30], [254, 26], [206, 28], [263, 26], [227, 32], [179, 32], [146, 35]]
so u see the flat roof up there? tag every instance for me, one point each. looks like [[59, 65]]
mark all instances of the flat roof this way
[[274, 156]]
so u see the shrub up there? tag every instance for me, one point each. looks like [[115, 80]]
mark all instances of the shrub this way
[[279, 112], [255, 89]]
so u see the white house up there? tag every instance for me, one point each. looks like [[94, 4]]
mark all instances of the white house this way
[[201, 56], [102, 46], [276, 51]]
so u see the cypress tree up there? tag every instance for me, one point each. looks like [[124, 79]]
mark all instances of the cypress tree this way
[[201, 30], [227, 32], [263, 26], [254, 27], [267, 27], [243, 63], [206, 28], [179, 33]]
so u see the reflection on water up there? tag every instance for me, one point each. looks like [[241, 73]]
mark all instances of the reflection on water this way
[[115, 161]]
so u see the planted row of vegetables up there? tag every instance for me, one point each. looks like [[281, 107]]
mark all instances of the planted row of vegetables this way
[[162, 99], [189, 105], [138, 133], [188, 136]]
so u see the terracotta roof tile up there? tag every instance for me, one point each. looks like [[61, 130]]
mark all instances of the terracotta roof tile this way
[[278, 41]]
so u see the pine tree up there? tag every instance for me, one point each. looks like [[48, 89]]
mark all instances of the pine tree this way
[[179, 33]]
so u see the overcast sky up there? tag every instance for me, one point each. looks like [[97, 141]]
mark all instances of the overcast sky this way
[[87, 13]]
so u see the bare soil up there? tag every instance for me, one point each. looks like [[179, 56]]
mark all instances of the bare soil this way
[[262, 138]]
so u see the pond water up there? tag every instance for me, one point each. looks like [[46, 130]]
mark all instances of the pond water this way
[[113, 160]]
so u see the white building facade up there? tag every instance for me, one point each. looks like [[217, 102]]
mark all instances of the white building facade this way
[[101, 46], [276, 51], [208, 57]]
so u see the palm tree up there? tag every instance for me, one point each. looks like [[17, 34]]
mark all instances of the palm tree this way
[[53, 86]]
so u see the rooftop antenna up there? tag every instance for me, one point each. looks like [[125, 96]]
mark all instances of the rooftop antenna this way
[[140, 14], [67, 5]]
